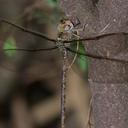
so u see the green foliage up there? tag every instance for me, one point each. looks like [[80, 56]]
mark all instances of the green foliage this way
[[42, 17], [52, 3], [82, 60], [9, 43], [48, 16]]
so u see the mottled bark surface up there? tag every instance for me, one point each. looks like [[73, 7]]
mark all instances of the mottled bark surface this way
[[108, 80]]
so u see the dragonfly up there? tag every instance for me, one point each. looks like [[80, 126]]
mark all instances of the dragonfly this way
[[68, 35], [66, 31]]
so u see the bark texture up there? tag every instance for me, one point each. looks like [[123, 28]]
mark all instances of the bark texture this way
[[108, 80]]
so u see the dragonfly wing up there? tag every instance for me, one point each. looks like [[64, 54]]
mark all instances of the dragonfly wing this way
[[21, 54]]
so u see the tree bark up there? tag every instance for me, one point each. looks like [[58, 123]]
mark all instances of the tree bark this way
[[108, 79]]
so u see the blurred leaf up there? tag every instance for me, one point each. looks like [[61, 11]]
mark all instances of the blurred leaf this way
[[10, 44], [52, 3], [42, 17], [82, 60]]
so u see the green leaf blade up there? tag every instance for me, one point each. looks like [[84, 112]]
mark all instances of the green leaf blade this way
[[82, 60], [9, 44]]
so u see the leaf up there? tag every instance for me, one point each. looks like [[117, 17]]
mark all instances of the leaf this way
[[82, 60], [9, 43], [52, 3]]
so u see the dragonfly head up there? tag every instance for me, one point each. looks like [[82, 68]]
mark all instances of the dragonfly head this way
[[65, 26]]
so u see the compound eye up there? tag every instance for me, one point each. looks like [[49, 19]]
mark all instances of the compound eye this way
[[70, 27], [62, 21], [67, 27]]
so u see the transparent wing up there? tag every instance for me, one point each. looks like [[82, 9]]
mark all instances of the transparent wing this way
[[31, 58], [82, 62], [27, 57]]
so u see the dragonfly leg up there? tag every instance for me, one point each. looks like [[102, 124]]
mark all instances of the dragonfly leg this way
[[80, 29], [77, 48], [75, 21]]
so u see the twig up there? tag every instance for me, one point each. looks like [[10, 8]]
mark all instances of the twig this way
[[89, 113]]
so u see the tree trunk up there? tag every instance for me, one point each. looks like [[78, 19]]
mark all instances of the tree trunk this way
[[108, 79]]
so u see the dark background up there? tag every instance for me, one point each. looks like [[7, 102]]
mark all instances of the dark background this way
[[30, 82]]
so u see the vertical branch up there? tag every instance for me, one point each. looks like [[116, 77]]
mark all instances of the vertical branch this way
[[63, 87]]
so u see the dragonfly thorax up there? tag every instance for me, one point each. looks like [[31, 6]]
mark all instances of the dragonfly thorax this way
[[66, 32]]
